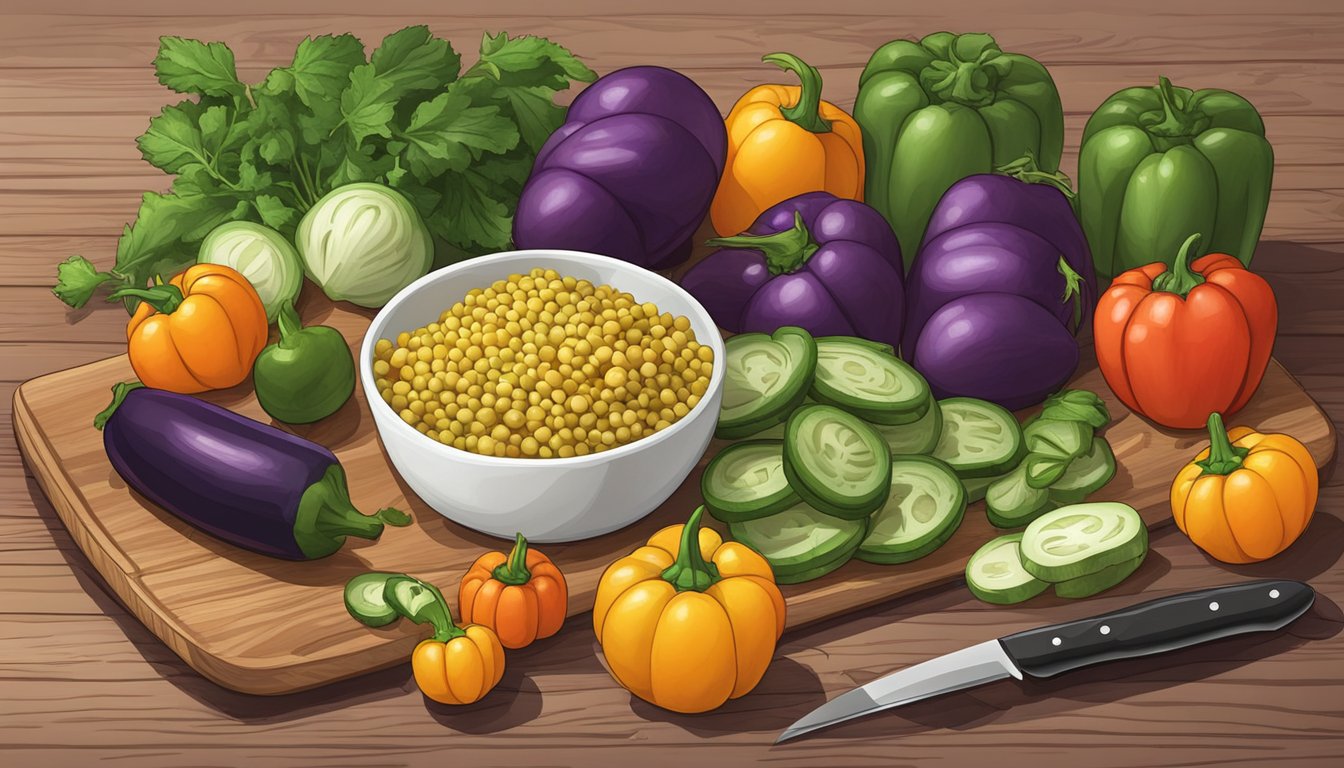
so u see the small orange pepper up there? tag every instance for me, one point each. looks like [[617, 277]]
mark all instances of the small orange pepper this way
[[522, 596]]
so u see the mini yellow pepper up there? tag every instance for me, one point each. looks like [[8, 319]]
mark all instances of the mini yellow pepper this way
[[783, 141]]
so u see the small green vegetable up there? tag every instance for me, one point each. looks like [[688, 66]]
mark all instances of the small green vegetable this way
[[458, 144], [305, 376]]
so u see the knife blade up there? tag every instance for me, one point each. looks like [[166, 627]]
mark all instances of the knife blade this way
[[1155, 626]]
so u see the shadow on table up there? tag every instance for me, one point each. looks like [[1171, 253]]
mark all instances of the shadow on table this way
[[787, 691]]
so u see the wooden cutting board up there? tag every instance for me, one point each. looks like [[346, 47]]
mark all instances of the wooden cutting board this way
[[266, 626]]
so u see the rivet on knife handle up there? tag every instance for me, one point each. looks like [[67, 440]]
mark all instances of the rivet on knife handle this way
[[1159, 625]]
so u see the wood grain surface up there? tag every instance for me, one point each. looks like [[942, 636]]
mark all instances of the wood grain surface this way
[[82, 681]]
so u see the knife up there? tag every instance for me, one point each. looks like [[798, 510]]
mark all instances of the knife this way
[[1156, 626]]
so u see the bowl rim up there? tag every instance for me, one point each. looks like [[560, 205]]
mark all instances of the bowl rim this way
[[539, 256]]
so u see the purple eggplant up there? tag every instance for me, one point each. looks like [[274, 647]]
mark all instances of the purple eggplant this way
[[829, 265], [631, 172], [239, 480], [999, 289]]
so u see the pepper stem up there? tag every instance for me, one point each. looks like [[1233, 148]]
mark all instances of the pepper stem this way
[[289, 323], [785, 251], [1175, 124], [164, 298], [807, 112], [690, 572], [422, 603], [514, 570], [1224, 457], [1025, 169], [119, 392], [1180, 279]]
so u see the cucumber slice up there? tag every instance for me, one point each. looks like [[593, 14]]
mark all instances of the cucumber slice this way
[[835, 462], [1093, 583], [813, 573], [1064, 440], [800, 539], [995, 573], [979, 439], [880, 346], [364, 599], [1082, 539], [1011, 502], [1042, 470], [776, 431], [1077, 405], [746, 481], [923, 510], [881, 387], [765, 378], [917, 437], [976, 487], [1087, 474]]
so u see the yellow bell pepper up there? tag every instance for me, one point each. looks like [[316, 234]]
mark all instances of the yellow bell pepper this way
[[1246, 497], [783, 141], [688, 621]]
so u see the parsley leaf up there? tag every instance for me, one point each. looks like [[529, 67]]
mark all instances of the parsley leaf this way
[[447, 134], [414, 60], [190, 66], [368, 104]]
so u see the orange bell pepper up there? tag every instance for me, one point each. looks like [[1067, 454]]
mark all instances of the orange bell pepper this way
[[1178, 344], [521, 596], [783, 140], [200, 331]]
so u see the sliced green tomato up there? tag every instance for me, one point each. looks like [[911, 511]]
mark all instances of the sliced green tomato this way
[[746, 481], [765, 378], [995, 573], [851, 374], [364, 599], [800, 539], [880, 346], [1064, 440], [1042, 470], [976, 487], [1010, 502], [1087, 474], [1093, 583], [836, 462], [979, 439], [924, 508], [1082, 539], [917, 437]]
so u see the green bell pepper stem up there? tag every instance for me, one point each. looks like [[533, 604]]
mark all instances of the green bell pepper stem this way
[[119, 392], [807, 112], [1180, 279], [1025, 169], [1177, 125], [165, 298], [514, 570], [1224, 457], [422, 603], [326, 517], [962, 82], [289, 323], [690, 572], [784, 251]]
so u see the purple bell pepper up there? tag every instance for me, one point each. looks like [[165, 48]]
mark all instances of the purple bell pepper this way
[[829, 265]]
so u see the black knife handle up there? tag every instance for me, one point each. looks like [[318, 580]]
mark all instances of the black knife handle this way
[[1165, 624]]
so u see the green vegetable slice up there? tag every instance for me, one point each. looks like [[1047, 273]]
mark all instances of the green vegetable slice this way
[[995, 573], [364, 599], [1058, 439], [800, 539], [1077, 405], [765, 378], [979, 439], [1011, 502], [917, 437], [879, 346], [880, 387], [1087, 474], [836, 462], [924, 508], [1082, 539], [1042, 470], [746, 481], [1093, 583], [976, 487]]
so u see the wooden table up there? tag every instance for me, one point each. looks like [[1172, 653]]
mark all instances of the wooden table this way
[[80, 680]]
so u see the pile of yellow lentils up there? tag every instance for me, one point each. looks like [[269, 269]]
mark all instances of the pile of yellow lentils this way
[[544, 366]]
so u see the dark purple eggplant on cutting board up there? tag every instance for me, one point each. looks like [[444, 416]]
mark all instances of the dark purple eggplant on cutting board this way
[[244, 482]]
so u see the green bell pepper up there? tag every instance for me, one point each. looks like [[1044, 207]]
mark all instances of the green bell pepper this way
[[1158, 163], [936, 111], [305, 376]]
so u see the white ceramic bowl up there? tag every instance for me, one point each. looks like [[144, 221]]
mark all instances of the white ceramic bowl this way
[[548, 500]]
